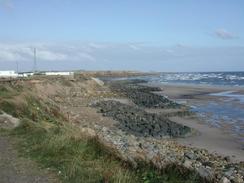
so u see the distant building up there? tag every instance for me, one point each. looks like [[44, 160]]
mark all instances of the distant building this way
[[25, 74], [58, 73], [8, 74]]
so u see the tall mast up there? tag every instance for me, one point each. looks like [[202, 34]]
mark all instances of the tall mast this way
[[34, 69], [17, 67]]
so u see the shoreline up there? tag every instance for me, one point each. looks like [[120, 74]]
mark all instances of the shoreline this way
[[198, 85], [124, 126], [214, 139], [195, 88]]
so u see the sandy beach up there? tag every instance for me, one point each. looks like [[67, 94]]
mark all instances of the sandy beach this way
[[191, 91], [215, 140]]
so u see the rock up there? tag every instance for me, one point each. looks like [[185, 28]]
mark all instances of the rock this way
[[190, 155], [238, 180], [143, 95], [229, 172], [227, 158], [225, 180], [205, 173], [141, 123], [208, 163], [188, 164], [7, 121]]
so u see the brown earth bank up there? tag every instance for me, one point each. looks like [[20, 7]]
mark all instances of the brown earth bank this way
[[81, 99], [116, 74]]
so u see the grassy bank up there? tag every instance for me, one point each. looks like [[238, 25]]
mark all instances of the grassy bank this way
[[73, 157], [46, 137], [79, 159]]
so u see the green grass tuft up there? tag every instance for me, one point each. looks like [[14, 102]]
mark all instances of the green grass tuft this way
[[8, 92], [8, 107]]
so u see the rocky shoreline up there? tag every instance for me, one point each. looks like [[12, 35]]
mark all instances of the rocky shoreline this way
[[166, 153], [136, 137], [132, 130], [141, 95], [140, 123]]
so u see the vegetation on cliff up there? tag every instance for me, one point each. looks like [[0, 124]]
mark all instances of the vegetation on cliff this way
[[46, 136]]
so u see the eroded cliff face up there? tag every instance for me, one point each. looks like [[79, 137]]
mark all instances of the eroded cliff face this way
[[126, 128]]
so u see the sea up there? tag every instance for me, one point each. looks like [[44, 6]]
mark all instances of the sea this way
[[203, 78], [228, 112]]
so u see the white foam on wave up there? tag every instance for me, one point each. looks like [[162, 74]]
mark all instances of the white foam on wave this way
[[214, 78]]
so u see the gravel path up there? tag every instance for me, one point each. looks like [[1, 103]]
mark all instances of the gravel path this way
[[14, 169]]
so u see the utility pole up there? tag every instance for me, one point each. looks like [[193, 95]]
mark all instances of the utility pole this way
[[17, 67], [34, 68]]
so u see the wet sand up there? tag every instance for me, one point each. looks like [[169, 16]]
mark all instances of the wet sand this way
[[190, 91], [212, 139], [215, 140]]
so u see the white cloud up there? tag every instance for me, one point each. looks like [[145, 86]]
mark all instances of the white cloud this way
[[93, 56], [86, 56], [98, 45], [169, 51], [134, 47], [44, 52], [50, 56], [8, 56], [224, 34], [12, 53]]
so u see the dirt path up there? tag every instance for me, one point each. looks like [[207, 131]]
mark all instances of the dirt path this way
[[14, 169]]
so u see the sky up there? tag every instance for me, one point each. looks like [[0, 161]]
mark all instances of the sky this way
[[158, 35]]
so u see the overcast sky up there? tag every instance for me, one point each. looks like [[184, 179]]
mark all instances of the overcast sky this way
[[159, 35]]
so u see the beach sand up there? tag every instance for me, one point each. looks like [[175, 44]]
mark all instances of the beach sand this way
[[212, 139], [215, 140]]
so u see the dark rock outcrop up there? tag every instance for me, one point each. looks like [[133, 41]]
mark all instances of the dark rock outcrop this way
[[142, 95], [140, 123]]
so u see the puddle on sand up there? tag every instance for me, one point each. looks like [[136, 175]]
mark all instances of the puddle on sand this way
[[231, 95], [227, 113]]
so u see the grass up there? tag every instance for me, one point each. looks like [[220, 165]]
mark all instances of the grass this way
[[8, 91], [8, 107], [74, 158], [4, 92], [79, 159], [45, 137]]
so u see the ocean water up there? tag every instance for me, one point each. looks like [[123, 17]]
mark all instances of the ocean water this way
[[207, 78], [231, 96], [228, 112], [223, 114]]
